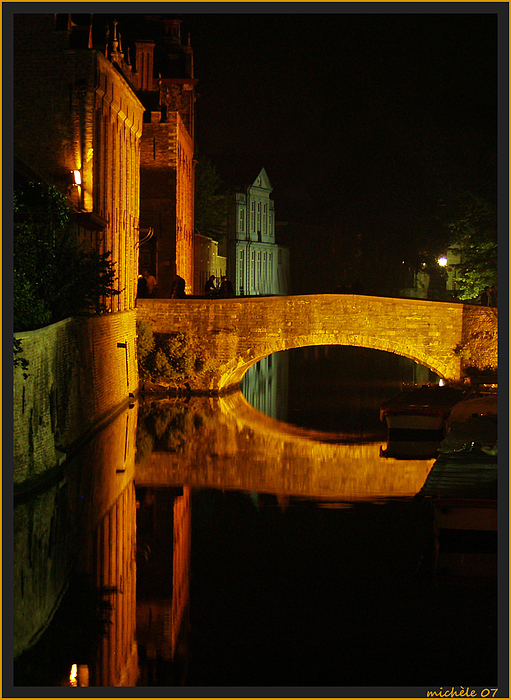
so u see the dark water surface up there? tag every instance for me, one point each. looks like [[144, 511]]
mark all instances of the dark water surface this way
[[271, 550]]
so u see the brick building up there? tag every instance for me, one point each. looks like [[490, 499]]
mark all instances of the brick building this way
[[256, 264], [77, 124], [167, 90], [208, 261]]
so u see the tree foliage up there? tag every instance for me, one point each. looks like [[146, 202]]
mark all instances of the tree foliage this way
[[473, 230], [175, 356], [54, 277], [210, 203]]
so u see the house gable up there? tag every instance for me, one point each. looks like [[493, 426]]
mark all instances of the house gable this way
[[262, 182]]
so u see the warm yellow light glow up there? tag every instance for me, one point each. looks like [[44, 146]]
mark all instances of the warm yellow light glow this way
[[73, 676], [83, 676], [442, 261], [77, 177]]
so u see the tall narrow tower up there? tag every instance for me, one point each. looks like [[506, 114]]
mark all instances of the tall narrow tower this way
[[167, 91]]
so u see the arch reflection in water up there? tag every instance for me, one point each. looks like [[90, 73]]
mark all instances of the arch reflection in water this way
[[79, 530], [330, 387], [223, 442]]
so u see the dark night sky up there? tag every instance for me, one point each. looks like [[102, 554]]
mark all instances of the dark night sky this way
[[359, 118], [362, 116]]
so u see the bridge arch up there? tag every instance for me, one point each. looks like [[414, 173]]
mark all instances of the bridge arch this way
[[445, 337], [250, 357]]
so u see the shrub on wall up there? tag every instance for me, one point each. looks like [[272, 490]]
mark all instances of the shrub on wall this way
[[173, 356], [54, 278]]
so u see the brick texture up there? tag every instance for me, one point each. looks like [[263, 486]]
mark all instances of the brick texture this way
[[239, 332], [74, 111], [80, 372], [167, 198]]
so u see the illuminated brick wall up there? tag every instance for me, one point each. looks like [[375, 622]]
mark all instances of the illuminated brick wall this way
[[114, 171], [185, 199], [239, 332], [74, 111], [207, 262], [80, 371], [167, 197]]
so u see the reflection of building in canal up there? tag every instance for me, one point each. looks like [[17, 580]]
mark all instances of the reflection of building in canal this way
[[163, 584], [265, 385], [116, 661], [82, 522]]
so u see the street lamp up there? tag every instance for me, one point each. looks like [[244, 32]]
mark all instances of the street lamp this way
[[442, 261]]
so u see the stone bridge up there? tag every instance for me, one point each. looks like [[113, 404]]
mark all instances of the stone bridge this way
[[446, 337]]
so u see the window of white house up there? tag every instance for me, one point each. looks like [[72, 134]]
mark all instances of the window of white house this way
[[242, 220], [258, 217], [252, 217], [265, 216], [241, 271]]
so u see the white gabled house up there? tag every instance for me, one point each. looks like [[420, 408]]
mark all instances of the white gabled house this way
[[256, 264]]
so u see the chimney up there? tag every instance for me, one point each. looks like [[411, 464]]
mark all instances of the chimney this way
[[144, 58], [173, 29]]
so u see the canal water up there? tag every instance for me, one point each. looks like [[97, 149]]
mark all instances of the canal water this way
[[258, 540]]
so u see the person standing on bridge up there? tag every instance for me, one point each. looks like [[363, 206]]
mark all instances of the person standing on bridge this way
[[486, 297], [178, 288], [210, 288], [226, 289], [142, 292], [151, 283]]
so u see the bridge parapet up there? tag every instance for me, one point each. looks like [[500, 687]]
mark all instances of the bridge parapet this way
[[446, 337]]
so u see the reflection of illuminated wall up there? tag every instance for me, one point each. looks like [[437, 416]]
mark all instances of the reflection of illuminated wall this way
[[265, 385], [163, 575], [53, 532], [181, 568], [228, 444], [116, 663]]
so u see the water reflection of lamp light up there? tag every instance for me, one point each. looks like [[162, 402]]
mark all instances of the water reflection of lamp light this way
[[442, 261], [73, 680], [79, 676]]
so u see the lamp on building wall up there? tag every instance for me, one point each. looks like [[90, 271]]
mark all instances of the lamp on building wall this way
[[147, 234], [77, 177]]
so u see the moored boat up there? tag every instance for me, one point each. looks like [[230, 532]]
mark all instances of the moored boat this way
[[423, 409], [472, 422], [462, 488], [410, 449], [473, 406]]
